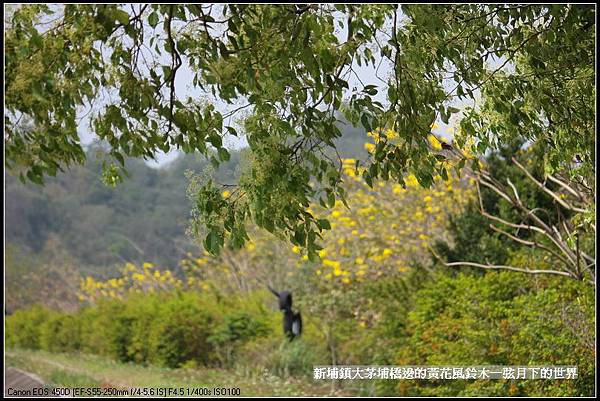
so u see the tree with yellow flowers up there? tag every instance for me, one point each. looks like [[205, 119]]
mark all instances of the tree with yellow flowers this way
[[136, 279]]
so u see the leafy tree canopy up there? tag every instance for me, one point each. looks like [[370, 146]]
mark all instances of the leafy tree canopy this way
[[528, 70]]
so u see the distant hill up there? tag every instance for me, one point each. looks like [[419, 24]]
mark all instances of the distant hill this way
[[142, 219]]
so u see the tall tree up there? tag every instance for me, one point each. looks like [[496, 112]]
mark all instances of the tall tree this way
[[528, 69]]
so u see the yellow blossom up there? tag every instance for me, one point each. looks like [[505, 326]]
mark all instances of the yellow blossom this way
[[397, 189], [369, 147], [411, 181], [391, 134], [331, 263], [435, 143]]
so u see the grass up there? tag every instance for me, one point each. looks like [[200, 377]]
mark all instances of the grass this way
[[82, 370]]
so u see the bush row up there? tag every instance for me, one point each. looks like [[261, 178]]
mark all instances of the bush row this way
[[162, 329]]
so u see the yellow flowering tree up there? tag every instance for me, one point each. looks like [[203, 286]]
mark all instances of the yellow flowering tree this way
[[380, 232], [136, 279]]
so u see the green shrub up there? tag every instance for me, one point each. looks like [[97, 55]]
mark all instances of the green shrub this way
[[144, 309], [497, 318], [23, 327], [500, 318], [235, 329], [60, 333], [106, 329], [556, 327], [180, 333]]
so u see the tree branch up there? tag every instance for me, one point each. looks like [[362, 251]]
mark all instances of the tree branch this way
[[505, 267], [175, 64], [562, 202], [571, 260], [533, 244]]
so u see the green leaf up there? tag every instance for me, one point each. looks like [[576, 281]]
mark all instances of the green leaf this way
[[153, 19], [324, 224], [364, 119], [232, 131], [213, 241], [224, 154], [121, 16], [444, 174]]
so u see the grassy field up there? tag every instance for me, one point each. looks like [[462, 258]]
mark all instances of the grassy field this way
[[80, 370]]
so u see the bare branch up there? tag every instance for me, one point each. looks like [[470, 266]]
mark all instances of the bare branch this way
[[517, 269], [573, 191], [500, 220], [505, 267], [562, 202], [514, 191], [533, 244], [551, 232], [175, 64], [570, 259]]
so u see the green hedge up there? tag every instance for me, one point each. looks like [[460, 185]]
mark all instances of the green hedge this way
[[498, 318], [23, 328], [163, 329]]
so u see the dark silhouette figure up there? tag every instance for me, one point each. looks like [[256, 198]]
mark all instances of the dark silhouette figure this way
[[292, 324], [292, 321], [285, 298]]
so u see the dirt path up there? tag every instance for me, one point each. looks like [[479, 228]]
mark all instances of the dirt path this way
[[20, 383]]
